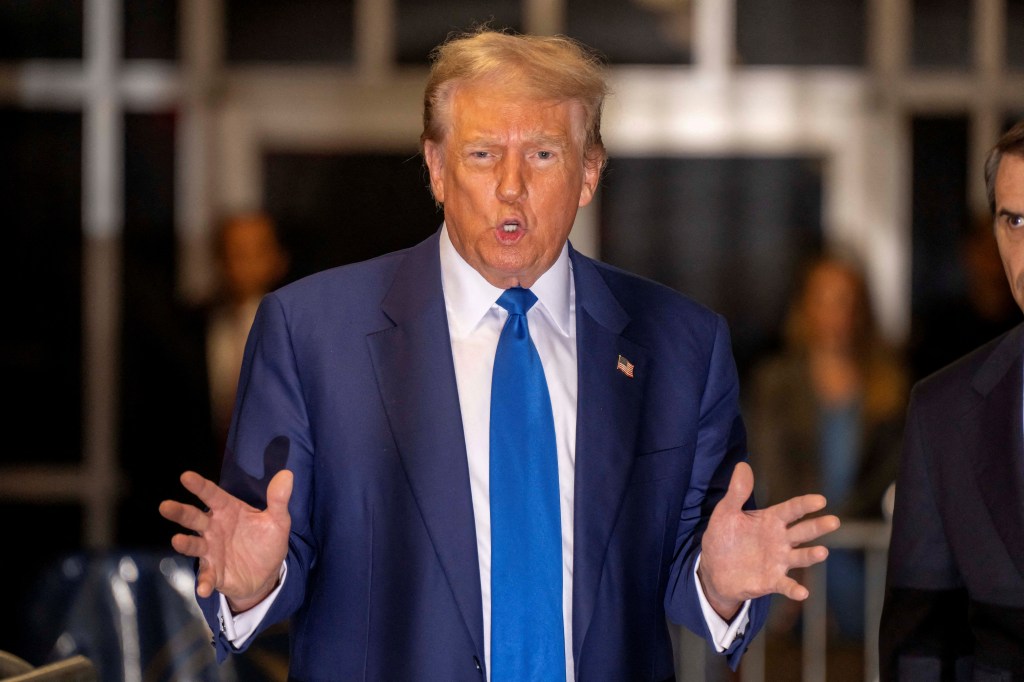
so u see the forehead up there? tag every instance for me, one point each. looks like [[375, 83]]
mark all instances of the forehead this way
[[501, 109], [1010, 181]]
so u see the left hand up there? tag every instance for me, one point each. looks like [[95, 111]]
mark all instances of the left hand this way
[[748, 554]]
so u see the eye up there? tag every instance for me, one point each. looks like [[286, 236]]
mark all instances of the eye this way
[[1013, 222], [545, 155]]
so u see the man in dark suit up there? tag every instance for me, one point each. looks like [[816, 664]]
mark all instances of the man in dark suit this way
[[954, 607], [365, 430]]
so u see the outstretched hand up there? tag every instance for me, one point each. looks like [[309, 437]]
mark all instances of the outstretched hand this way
[[239, 547], [748, 554]]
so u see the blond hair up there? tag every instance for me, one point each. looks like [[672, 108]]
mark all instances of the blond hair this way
[[543, 67]]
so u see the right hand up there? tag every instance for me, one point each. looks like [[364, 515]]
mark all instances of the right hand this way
[[240, 548]]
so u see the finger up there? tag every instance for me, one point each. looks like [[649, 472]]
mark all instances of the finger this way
[[184, 515], [212, 495], [741, 485], [205, 579], [812, 529], [189, 545], [791, 589], [172, 511], [807, 556], [797, 507], [279, 491]]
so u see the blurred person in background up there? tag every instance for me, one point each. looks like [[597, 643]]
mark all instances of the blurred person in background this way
[[826, 414], [251, 261]]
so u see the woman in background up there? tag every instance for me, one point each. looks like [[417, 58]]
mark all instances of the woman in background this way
[[826, 414]]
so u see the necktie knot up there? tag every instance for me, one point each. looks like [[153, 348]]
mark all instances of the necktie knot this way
[[517, 300]]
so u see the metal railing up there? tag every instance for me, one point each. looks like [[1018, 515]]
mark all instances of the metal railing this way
[[871, 538]]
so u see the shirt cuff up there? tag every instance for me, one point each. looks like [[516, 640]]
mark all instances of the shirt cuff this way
[[723, 634], [238, 628]]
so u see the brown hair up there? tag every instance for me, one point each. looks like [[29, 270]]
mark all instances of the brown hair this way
[[1010, 143], [546, 67], [881, 368], [796, 332]]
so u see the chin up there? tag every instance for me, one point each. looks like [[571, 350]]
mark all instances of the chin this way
[[508, 267]]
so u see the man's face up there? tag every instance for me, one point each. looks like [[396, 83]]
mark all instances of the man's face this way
[[511, 176], [1010, 222]]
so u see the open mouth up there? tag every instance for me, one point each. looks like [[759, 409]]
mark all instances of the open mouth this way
[[510, 231]]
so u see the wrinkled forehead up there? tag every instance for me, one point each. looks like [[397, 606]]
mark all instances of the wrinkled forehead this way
[[507, 104]]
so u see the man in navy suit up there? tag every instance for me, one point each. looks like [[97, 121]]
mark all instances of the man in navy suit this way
[[954, 605], [355, 495]]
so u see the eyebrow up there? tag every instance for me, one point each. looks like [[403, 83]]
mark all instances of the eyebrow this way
[[557, 141], [1004, 213]]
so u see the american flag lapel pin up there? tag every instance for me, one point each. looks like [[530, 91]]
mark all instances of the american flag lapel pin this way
[[624, 366]]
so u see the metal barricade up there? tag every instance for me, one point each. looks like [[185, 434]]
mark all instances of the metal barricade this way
[[696, 663]]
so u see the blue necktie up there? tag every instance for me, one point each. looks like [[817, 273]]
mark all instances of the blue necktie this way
[[527, 638]]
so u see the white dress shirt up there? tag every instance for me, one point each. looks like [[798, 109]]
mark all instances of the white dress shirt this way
[[475, 321]]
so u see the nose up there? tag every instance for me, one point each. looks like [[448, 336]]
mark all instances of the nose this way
[[511, 179]]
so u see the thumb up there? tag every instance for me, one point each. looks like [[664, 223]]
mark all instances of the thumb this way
[[741, 486], [279, 492]]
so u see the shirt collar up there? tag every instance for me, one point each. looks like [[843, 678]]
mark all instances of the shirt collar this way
[[468, 296]]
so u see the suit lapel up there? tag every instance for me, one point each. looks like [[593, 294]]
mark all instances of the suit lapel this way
[[607, 417], [416, 376], [998, 473]]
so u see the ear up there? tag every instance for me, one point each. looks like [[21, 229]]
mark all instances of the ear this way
[[433, 154], [591, 176]]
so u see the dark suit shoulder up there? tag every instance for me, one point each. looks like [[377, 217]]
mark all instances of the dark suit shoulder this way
[[650, 302], [342, 303], [345, 280], [979, 368]]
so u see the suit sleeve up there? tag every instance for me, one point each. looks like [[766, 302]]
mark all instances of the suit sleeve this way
[[721, 444], [924, 629], [270, 430]]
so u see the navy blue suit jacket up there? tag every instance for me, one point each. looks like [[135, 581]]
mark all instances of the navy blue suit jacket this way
[[348, 380]]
